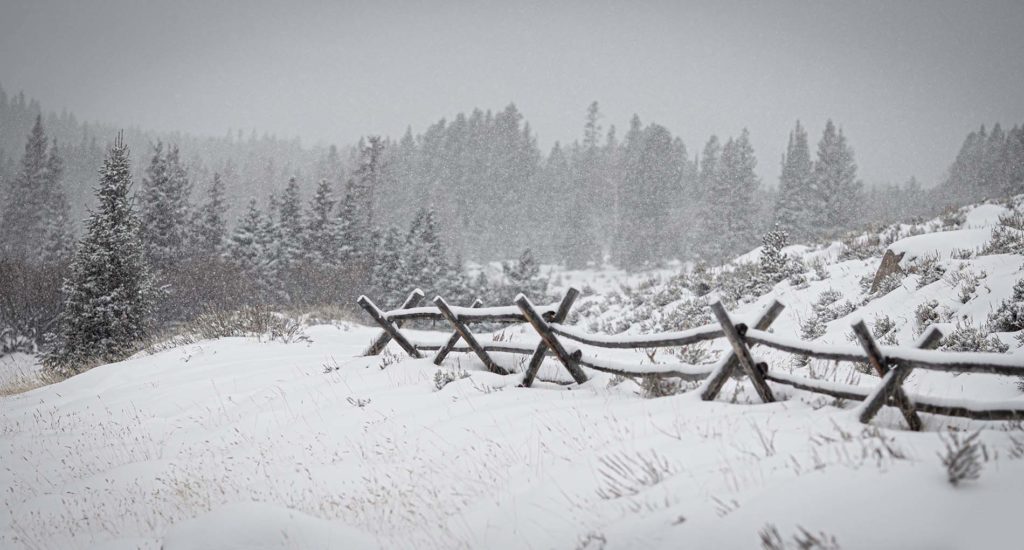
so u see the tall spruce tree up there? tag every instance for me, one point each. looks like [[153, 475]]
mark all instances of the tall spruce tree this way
[[322, 238], [165, 210], [251, 249], [292, 226], [210, 226], [59, 243], [22, 226], [795, 202], [729, 225], [109, 293], [837, 190]]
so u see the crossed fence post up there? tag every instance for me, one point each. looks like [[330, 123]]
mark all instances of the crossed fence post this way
[[467, 336], [391, 331], [549, 339], [740, 353], [891, 388]]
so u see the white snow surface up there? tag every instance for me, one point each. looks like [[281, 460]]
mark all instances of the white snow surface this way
[[238, 443]]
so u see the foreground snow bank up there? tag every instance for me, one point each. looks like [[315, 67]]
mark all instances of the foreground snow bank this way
[[259, 526], [243, 444]]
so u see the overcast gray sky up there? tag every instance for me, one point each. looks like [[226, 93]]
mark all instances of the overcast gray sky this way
[[906, 80]]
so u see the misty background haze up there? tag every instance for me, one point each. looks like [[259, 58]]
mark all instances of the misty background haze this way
[[906, 81]]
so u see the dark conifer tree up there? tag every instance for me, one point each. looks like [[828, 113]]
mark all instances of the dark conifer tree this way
[[109, 294]]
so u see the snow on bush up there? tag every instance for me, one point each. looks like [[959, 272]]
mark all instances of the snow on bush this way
[[1009, 316], [970, 338]]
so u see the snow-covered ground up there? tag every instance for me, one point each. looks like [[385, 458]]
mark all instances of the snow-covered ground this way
[[238, 443]]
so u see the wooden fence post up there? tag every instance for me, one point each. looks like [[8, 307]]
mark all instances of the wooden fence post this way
[[383, 338], [725, 367], [892, 382], [466, 335], [453, 339], [544, 330], [739, 346], [538, 354], [878, 363], [388, 326]]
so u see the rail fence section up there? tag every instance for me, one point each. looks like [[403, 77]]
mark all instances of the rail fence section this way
[[893, 364]]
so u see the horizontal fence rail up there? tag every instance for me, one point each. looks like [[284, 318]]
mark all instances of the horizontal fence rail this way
[[893, 364]]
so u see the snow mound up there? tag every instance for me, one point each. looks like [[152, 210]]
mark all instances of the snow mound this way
[[259, 526]]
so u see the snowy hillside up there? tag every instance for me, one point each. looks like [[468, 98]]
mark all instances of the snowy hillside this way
[[255, 443]]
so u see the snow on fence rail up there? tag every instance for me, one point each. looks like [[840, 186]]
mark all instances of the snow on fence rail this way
[[892, 363]]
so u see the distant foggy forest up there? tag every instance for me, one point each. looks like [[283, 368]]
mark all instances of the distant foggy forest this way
[[245, 220]]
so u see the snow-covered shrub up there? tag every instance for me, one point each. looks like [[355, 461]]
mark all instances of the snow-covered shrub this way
[[656, 386], [970, 338], [443, 377], [694, 354], [884, 330], [1005, 240], [818, 266], [961, 254], [927, 269], [862, 247], [953, 218], [687, 314], [926, 314], [1009, 316], [962, 458], [812, 328], [887, 285], [10, 342]]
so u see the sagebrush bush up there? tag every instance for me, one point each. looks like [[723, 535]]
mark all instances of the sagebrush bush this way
[[1009, 316], [927, 269], [970, 338], [443, 377]]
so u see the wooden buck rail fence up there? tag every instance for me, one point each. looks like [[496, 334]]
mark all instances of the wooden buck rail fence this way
[[892, 363]]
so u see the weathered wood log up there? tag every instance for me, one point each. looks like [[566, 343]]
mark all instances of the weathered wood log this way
[[726, 365], [454, 339], [919, 359], [538, 354], [852, 393], [549, 338], [377, 315], [892, 383], [384, 337], [739, 346], [879, 363], [683, 338], [468, 336]]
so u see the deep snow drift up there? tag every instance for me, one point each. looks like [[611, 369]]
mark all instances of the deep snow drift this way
[[241, 443]]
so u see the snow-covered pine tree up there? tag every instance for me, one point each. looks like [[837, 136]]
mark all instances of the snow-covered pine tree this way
[[389, 267], [775, 265], [60, 239], [795, 202], [165, 209], [729, 225], [210, 226], [248, 249], [109, 293], [523, 276], [836, 187], [322, 239], [291, 227], [22, 228], [426, 262]]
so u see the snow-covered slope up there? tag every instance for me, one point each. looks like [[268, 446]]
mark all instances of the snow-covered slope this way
[[237, 443]]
